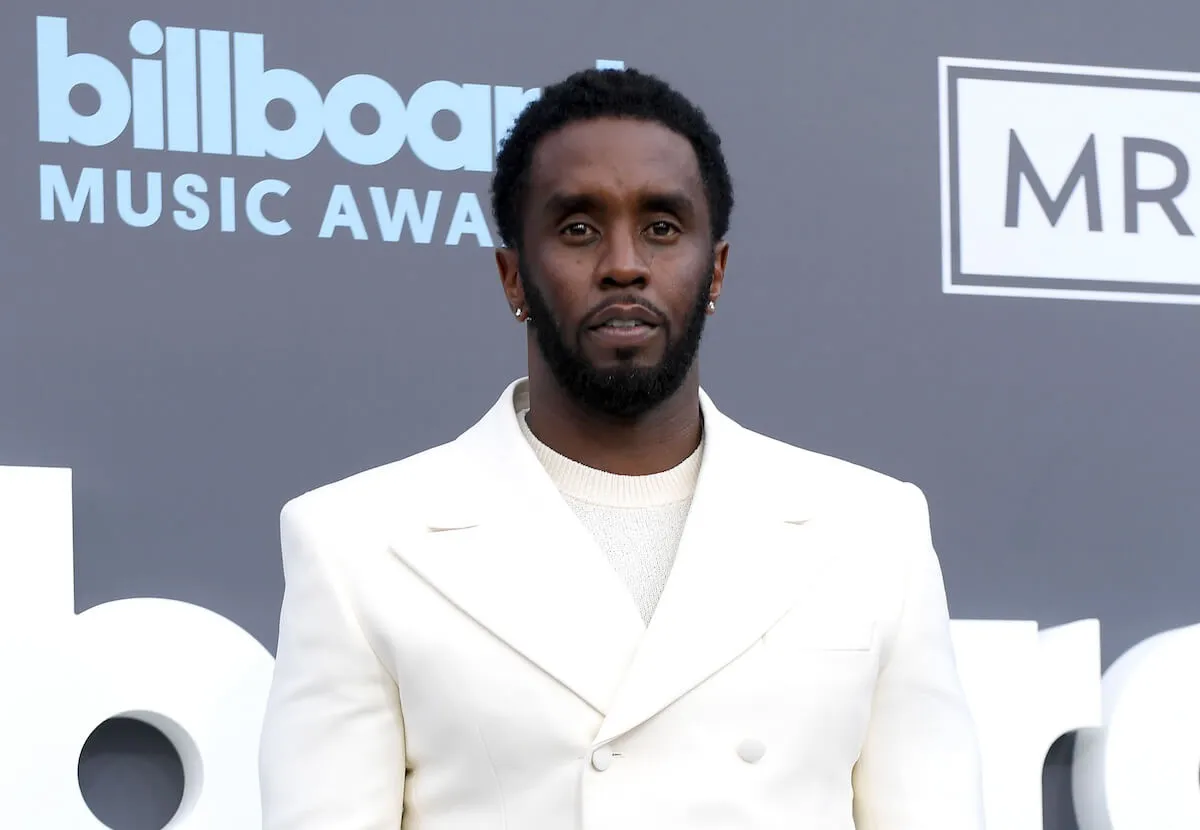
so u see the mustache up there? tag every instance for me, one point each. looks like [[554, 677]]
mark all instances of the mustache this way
[[626, 300]]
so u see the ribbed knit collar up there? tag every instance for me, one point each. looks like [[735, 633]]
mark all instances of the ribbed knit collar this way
[[594, 486]]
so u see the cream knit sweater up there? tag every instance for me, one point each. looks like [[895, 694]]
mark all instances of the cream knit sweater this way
[[636, 520]]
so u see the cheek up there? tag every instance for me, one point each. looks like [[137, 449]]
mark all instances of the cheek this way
[[681, 282], [565, 283], [567, 266]]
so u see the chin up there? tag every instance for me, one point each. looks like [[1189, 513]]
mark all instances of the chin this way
[[636, 365], [641, 356]]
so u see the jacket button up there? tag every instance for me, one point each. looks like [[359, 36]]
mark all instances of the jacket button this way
[[602, 759], [751, 751]]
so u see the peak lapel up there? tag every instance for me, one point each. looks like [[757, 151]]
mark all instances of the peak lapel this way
[[501, 544], [743, 562]]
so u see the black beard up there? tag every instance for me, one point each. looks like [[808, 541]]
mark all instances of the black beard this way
[[619, 392]]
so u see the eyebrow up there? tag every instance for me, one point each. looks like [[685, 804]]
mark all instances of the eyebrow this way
[[565, 204], [674, 202]]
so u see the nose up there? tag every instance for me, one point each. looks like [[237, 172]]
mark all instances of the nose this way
[[624, 264]]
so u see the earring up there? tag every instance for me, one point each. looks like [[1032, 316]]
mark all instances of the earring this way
[[517, 312], [712, 306]]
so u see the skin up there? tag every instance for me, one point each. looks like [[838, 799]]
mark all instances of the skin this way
[[615, 207]]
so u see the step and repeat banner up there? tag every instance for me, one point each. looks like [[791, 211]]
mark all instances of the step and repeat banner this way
[[245, 250]]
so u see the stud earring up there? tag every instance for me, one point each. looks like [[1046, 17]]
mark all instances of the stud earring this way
[[517, 312], [712, 306]]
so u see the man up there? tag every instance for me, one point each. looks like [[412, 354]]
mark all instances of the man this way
[[606, 605]]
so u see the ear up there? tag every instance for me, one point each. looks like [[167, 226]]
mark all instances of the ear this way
[[508, 264], [720, 257]]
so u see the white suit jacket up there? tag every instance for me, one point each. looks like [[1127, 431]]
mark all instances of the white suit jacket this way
[[456, 653]]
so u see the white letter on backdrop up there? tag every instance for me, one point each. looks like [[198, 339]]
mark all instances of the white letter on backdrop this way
[[193, 674]]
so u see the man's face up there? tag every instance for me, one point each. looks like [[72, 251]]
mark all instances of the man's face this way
[[617, 262]]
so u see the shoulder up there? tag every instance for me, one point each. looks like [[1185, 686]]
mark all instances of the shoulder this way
[[786, 459], [371, 496], [838, 485]]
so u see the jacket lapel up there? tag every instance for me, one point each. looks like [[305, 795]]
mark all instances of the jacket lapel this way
[[750, 548], [500, 543]]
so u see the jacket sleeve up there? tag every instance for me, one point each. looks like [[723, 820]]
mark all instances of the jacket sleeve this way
[[920, 766], [332, 752]]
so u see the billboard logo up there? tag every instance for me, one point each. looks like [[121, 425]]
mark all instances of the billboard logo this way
[[204, 90], [1069, 181], [208, 92]]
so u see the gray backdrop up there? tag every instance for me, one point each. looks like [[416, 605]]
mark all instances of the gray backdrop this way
[[197, 380]]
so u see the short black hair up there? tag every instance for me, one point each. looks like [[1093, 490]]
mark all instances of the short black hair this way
[[601, 93]]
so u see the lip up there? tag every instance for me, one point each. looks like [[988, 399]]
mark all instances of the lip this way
[[636, 313], [623, 337]]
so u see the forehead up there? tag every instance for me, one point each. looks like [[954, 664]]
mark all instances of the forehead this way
[[614, 156]]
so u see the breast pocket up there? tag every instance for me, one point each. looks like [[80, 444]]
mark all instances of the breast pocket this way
[[817, 674], [816, 631]]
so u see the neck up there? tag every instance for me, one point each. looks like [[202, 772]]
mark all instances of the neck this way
[[652, 443]]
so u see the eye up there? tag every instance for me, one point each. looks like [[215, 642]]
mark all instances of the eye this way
[[576, 230], [663, 229]]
